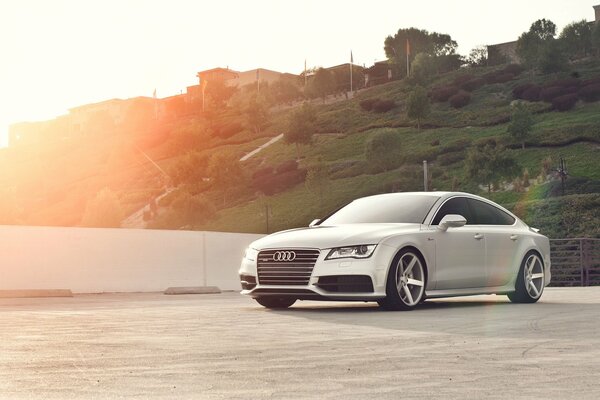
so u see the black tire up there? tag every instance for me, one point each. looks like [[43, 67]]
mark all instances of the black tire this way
[[276, 303], [524, 291], [394, 300]]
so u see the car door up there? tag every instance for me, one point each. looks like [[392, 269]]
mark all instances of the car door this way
[[460, 252], [501, 241]]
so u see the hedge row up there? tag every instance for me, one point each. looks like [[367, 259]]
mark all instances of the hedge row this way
[[562, 93], [377, 105], [271, 180]]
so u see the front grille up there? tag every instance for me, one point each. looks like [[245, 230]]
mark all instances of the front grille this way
[[283, 272]]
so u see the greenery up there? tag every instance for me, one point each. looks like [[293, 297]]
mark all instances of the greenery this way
[[418, 105], [300, 126], [384, 151], [104, 211], [489, 164], [521, 123]]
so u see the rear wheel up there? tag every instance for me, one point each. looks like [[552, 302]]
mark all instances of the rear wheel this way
[[405, 286], [530, 281], [275, 303]]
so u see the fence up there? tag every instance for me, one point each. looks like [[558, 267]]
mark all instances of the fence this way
[[575, 262]]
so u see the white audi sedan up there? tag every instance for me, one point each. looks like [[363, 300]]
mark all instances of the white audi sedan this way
[[398, 249]]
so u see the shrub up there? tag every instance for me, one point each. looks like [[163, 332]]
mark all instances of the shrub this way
[[567, 82], [550, 93], [443, 93], [275, 183], [383, 106], [457, 145], [435, 142], [591, 81], [367, 104], [564, 103], [473, 84], [513, 69], [460, 99], [383, 151], [461, 79], [450, 158], [590, 93], [266, 171], [505, 77], [286, 166], [518, 91], [228, 130], [532, 94]]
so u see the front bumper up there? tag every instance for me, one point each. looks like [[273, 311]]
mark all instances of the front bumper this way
[[374, 267]]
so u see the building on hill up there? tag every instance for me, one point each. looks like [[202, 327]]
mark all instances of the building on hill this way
[[235, 78], [380, 72], [507, 52], [217, 74]]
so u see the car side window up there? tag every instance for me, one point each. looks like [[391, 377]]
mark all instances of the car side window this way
[[457, 205], [487, 214]]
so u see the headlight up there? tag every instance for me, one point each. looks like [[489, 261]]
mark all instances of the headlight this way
[[362, 251], [251, 254]]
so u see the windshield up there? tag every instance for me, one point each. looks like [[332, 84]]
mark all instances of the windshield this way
[[397, 208]]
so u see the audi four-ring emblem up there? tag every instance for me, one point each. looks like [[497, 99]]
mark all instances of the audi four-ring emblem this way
[[284, 256]]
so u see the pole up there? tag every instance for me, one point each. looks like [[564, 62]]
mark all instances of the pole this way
[[425, 175], [350, 77], [267, 216]]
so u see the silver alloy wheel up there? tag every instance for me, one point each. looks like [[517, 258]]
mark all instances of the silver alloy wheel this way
[[534, 276], [410, 279]]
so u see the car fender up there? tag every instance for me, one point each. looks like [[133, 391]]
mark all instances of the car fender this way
[[418, 240]]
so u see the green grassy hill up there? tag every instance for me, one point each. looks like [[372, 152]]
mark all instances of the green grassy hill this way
[[54, 182]]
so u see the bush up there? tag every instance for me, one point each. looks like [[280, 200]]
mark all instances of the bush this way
[[450, 158], [460, 99], [443, 93], [513, 69], [567, 82], [435, 142], [275, 183], [457, 145], [228, 130], [550, 93], [461, 79], [384, 150], [367, 104], [383, 106], [266, 171], [590, 93], [473, 84], [498, 77], [564, 103], [519, 90], [503, 78], [532, 94], [286, 166]]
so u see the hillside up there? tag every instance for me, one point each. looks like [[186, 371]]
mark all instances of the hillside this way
[[194, 158]]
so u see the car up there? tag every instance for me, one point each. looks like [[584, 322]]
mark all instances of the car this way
[[397, 249]]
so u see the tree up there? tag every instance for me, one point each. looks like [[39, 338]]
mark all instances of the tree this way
[[418, 106], [257, 113], [420, 41], [317, 179], [384, 151], [577, 39], [552, 57], [191, 210], [300, 127], [521, 123], [219, 92], [423, 68], [478, 56], [322, 84], [103, 211], [225, 172], [530, 43], [285, 90], [489, 164]]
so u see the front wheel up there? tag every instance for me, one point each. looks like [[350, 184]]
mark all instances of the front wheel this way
[[405, 286], [530, 281], [275, 303]]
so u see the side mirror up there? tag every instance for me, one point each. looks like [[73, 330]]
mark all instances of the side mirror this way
[[314, 222], [451, 221]]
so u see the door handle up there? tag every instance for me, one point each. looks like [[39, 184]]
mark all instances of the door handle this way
[[514, 237], [478, 236]]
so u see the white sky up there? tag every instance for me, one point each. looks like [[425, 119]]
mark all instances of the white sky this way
[[56, 54]]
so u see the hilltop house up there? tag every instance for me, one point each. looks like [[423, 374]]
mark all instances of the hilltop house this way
[[497, 53]]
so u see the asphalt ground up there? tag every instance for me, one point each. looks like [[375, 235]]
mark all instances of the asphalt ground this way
[[224, 346]]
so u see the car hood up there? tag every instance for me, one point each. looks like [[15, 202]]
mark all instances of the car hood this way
[[324, 237]]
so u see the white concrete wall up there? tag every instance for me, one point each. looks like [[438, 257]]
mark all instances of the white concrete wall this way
[[89, 260]]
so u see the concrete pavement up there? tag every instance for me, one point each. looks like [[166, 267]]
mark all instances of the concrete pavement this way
[[223, 346]]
